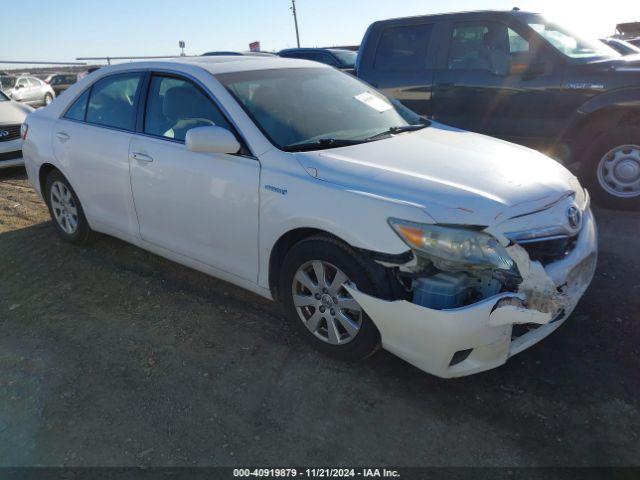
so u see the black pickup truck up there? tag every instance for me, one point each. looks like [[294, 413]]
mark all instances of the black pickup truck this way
[[517, 76]]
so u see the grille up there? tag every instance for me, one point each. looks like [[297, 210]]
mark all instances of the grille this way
[[13, 132], [10, 155], [549, 250]]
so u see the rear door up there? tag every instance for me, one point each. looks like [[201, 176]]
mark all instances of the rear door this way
[[203, 206], [91, 141], [402, 65]]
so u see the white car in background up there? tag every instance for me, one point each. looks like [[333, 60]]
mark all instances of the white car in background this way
[[29, 90], [371, 226], [12, 115]]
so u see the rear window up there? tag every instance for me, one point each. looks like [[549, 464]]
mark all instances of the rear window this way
[[403, 48], [112, 101]]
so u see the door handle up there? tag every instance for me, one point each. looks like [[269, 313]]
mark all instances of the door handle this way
[[141, 157], [63, 137]]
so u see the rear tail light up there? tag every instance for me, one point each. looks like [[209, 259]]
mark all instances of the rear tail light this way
[[24, 130]]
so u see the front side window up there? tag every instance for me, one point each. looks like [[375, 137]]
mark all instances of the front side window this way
[[403, 48], [175, 105], [3, 97], [294, 107], [22, 82], [486, 46], [112, 101], [570, 44]]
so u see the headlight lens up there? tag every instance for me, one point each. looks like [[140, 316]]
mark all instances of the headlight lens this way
[[458, 246]]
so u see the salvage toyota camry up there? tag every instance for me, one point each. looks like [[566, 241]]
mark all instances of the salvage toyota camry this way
[[372, 226]]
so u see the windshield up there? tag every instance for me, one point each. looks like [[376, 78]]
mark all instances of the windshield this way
[[347, 58], [570, 44], [297, 106], [7, 82]]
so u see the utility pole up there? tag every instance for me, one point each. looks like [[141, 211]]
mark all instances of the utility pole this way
[[295, 19]]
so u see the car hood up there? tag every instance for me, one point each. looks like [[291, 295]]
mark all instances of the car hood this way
[[12, 113], [457, 177], [629, 62]]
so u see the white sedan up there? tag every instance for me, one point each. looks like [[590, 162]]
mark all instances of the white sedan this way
[[12, 115], [372, 226]]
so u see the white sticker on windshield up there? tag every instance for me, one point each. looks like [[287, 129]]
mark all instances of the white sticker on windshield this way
[[374, 102]]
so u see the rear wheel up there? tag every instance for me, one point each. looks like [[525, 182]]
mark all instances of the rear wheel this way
[[312, 288], [613, 169], [65, 210], [48, 98]]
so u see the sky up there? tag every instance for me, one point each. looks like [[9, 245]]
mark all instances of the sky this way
[[62, 30]]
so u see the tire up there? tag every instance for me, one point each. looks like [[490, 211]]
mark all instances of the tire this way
[[369, 278], [48, 98], [61, 198], [609, 189]]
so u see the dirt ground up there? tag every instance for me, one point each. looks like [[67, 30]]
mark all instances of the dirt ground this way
[[113, 356]]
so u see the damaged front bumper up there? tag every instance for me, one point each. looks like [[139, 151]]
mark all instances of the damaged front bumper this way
[[482, 336]]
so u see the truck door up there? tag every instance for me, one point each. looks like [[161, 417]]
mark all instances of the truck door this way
[[400, 65], [497, 82]]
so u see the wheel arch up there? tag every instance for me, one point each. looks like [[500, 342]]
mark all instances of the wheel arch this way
[[283, 245], [602, 113], [43, 172]]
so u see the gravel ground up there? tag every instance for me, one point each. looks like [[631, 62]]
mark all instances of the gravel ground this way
[[113, 356]]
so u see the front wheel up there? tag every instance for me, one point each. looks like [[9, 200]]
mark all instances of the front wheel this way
[[312, 289], [612, 171]]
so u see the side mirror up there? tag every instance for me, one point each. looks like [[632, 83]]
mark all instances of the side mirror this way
[[211, 140]]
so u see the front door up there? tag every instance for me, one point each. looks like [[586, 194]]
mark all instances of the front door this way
[[497, 82], [200, 205]]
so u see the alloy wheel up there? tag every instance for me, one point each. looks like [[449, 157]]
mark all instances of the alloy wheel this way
[[324, 305], [64, 208]]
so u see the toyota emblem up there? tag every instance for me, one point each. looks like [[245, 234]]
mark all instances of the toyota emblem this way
[[4, 133], [574, 216]]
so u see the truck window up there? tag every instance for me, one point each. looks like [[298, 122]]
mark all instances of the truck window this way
[[481, 46], [403, 48]]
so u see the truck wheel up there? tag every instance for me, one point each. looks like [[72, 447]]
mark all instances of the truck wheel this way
[[312, 280], [612, 170], [66, 211]]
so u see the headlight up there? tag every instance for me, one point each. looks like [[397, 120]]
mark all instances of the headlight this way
[[457, 246]]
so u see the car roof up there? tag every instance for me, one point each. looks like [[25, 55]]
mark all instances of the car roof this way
[[221, 64], [442, 16]]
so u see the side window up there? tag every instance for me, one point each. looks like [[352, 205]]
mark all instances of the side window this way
[[519, 51], [480, 46], [22, 82], [112, 101], [403, 48], [327, 59], [34, 82], [175, 105], [78, 109]]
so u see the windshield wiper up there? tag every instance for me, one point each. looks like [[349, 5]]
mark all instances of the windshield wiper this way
[[396, 130], [320, 144]]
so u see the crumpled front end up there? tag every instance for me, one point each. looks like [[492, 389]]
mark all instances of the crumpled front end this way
[[453, 342]]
